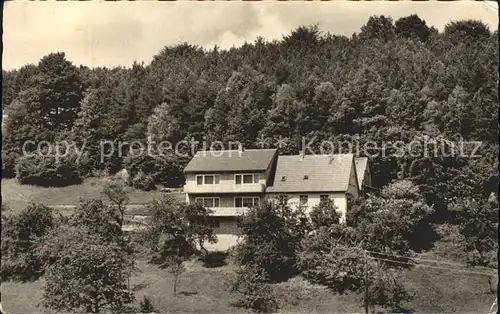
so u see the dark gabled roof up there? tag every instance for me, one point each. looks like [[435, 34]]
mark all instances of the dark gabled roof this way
[[326, 173], [361, 166], [231, 160]]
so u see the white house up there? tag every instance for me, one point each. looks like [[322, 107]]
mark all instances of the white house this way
[[231, 181], [307, 179]]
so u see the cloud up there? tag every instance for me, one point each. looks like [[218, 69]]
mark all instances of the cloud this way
[[118, 33], [268, 26]]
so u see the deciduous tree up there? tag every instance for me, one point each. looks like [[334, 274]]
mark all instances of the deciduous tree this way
[[271, 236], [479, 227], [89, 274], [20, 233], [60, 91]]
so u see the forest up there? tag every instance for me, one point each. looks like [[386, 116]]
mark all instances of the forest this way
[[397, 80]]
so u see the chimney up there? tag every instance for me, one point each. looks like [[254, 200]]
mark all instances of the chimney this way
[[240, 148]]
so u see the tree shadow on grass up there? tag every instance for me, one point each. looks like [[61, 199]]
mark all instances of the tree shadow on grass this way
[[188, 293], [214, 259], [402, 310]]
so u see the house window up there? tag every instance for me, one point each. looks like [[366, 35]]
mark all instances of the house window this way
[[208, 201], [246, 201], [207, 179], [214, 222], [303, 200], [246, 178], [283, 199], [324, 198]]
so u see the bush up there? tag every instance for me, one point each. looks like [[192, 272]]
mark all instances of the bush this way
[[101, 219], [146, 306], [89, 274], [256, 293], [486, 259], [387, 291], [177, 228], [47, 171], [329, 257], [324, 260], [272, 234], [162, 170], [400, 214], [9, 165], [325, 214], [478, 225], [20, 234], [143, 182]]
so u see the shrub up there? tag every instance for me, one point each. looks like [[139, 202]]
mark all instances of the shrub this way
[[89, 275], [101, 219], [176, 228], [324, 214], [323, 259], [271, 235], [478, 225], [146, 306], [256, 293], [20, 234], [162, 169], [88, 261], [387, 291], [329, 257], [9, 165], [400, 214], [143, 182], [47, 171]]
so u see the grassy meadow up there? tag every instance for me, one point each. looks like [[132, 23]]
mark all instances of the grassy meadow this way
[[206, 290], [18, 196]]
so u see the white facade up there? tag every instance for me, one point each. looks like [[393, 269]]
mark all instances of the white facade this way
[[226, 194], [230, 194], [313, 198]]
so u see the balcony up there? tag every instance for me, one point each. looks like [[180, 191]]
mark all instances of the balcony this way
[[228, 211], [192, 187]]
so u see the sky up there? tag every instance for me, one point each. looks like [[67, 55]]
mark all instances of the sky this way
[[95, 33]]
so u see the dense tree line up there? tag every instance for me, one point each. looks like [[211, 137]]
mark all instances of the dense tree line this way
[[393, 81]]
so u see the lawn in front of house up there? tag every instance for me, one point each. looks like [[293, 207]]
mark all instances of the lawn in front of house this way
[[206, 290], [18, 196], [200, 290]]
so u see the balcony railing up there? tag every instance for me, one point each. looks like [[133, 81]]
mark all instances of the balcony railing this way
[[228, 211], [192, 187]]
